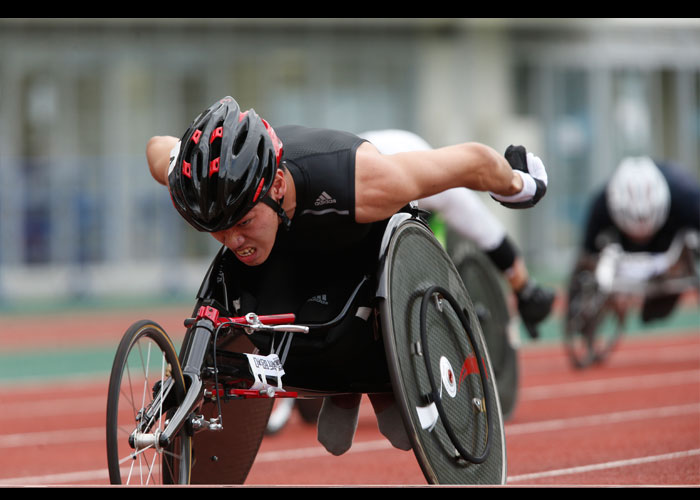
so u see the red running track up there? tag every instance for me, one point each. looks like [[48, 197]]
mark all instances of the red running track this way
[[633, 421]]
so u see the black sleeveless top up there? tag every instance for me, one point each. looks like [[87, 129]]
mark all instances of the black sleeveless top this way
[[322, 164], [316, 264]]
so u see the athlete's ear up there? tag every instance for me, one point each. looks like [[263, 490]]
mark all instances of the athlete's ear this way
[[279, 185]]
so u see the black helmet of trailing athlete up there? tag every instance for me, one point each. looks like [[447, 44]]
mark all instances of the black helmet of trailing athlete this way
[[223, 165]]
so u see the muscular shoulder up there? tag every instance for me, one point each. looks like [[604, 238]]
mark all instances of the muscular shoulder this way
[[303, 142], [382, 186], [322, 165]]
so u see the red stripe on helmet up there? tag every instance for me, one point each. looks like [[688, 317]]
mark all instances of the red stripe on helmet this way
[[276, 143], [242, 115], [257, 191], [187, 169]]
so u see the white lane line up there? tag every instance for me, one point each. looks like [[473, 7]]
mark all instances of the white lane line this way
[[601, 419], [319, 451], [97, 433], [100, 474], [268, 456], [90, 404], [603, 466], [548, 362], [77, 478], [609, 385], [53, 437]]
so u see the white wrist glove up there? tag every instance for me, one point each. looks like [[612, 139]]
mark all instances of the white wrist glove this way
[[174, 153], [531, 169]]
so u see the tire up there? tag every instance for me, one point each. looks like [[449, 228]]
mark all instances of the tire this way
[[488, 294], [145, 369], [440, 369], [592, 328], [595, 342]]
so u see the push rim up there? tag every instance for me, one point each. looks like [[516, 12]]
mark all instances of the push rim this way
[[447, 377]]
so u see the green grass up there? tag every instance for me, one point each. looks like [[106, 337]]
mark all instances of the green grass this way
[[32, 365], [682, 319]]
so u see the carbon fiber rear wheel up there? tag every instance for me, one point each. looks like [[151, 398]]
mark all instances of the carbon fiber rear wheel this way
[[439, 365]]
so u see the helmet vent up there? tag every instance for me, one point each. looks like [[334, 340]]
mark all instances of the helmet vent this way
[[262, 149], [240, 139]]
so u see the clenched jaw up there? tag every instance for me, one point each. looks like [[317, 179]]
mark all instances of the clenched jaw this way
[[245, 252]]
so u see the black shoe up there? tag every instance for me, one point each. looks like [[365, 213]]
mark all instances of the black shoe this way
[[534, 305]]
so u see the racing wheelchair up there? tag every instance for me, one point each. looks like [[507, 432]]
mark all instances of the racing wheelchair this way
[[603, 290], [198, 416]]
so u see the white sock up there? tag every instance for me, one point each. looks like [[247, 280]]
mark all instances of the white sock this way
[[391, 426], [336, 426]]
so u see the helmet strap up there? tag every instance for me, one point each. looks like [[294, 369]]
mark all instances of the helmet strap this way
[[277, 207]]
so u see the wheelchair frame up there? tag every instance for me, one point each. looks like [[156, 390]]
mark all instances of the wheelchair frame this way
[[606, 292]]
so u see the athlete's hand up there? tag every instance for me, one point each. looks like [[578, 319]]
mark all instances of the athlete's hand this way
[[531, 170]]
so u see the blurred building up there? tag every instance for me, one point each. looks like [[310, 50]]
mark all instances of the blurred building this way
[[81, 216]]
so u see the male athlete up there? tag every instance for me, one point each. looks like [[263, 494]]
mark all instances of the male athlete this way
[[642, 207], [298, 206]]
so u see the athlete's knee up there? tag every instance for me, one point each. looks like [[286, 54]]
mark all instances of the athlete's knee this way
[[390, 421], [337, 422]]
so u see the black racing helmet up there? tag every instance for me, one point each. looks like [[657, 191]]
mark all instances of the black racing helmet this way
[[224, 164]]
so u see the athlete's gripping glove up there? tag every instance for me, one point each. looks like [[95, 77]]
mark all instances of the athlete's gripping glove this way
[[534, 305], [531, 170]]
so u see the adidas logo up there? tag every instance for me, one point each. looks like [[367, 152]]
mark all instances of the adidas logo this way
[[321, 299], [324, 199]]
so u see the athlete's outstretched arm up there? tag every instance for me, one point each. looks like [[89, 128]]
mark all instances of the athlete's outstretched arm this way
[[386, 183]]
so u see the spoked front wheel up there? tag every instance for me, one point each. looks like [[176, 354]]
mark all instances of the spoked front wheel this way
[[593, 326], [146, 383], [592, 341]]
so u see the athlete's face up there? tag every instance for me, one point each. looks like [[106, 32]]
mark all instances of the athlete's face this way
[[252, 238]]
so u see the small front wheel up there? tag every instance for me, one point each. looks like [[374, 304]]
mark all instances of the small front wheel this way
[[146, 385], [593, 326]]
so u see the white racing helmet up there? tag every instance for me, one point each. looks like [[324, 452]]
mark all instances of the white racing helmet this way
[[638, 197], [392, 141]]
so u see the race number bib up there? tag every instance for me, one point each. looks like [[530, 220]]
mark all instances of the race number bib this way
[[265, 369]]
